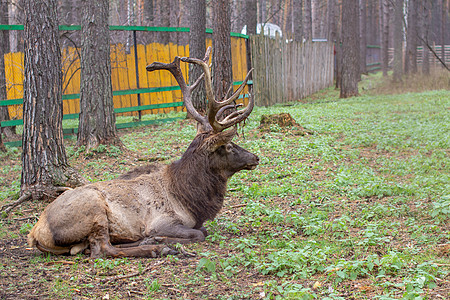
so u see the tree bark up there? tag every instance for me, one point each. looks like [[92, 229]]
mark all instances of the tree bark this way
[[251, 16], [297, 20], [44, 163], [164, 17], [148, 12], [398, 41], [4, 48], [308, 20], [425, 18], [97, 119], [362, 34], [2, 146], [251, 22], [411, 38], [350, 49], [197, 49], [222, 72], [384, 10], [443, 19]]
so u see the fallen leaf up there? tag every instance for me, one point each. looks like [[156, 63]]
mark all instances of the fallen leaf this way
[[317, 285]]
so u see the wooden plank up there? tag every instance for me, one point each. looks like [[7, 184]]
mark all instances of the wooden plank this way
[[131, 75], [143, 76]]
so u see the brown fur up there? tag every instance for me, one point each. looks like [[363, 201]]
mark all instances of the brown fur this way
[[171, 201]]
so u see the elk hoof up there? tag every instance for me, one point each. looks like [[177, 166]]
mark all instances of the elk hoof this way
[[168, 251], [148, 241]]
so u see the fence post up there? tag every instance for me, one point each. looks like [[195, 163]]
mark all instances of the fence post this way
[[137, 71]]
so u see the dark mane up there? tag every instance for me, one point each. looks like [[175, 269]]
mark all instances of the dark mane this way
[[195, 184]]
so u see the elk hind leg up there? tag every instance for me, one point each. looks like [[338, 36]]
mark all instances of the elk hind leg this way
[[101, 246]]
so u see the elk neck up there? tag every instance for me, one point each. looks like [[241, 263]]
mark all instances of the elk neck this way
[[196, 184]]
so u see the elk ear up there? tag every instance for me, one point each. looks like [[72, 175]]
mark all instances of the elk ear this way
[[218, 139]]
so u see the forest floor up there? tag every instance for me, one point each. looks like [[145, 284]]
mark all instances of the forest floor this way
[[358, 208]]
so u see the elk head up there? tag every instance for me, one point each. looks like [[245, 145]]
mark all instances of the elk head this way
[[212, 139]]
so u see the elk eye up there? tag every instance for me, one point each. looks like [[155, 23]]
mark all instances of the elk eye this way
[[229, 147]]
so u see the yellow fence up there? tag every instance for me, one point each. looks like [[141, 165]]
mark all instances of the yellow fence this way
[[123, 75]]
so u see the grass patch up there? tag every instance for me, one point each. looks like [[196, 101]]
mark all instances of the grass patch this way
[[358, 210]]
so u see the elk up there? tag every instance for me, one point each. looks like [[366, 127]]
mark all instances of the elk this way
[[141, 212]]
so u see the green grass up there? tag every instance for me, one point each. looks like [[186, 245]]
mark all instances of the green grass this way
[[358, 210]]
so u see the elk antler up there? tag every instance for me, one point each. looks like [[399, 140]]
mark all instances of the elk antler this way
[[215, 108]]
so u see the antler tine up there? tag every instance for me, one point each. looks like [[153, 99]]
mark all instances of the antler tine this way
[[175, 70], [235, 117], [235, 95]]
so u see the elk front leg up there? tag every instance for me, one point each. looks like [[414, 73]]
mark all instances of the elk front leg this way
[[170, 234], [179, 234]]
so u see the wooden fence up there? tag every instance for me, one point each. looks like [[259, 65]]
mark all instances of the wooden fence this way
[[288, 71], [158, 91]]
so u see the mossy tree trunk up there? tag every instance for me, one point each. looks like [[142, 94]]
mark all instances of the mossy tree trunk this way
[[44, 163], [97, 119]]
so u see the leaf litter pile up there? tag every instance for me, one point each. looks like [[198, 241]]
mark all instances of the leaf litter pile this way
[[357, 207]]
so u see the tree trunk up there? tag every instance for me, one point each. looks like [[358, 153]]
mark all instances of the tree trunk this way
[[148, 12], [384, 11], [308, 20], [164, 17], [174, 13], [262, 11], [197, 49], [44, 163], [97, 119], [425, 28], [4, 48], [332, 31], [251, 22], [251, 16], [411, 38], [350, 49], [398, 41], [362, 34], [2, 146], [222, 72], [297, 20], [443, 19], [338, 48]]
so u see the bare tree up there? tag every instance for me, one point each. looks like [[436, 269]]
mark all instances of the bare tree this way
[[97, 119], [44, 163], [222, 71], [350, 49], [411, 38], [197, 47], [398, 40]]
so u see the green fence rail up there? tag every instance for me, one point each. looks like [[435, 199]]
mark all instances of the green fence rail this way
[[127, 28]]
